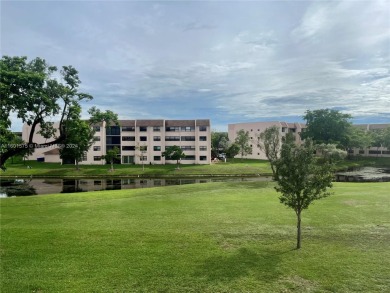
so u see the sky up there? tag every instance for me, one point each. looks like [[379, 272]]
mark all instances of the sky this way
[[227, 61]]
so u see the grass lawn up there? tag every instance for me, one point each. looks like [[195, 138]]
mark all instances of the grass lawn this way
[[232, 167], [237, 167], [212, 237]]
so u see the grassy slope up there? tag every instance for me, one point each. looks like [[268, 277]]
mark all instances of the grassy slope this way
[[214, 237]]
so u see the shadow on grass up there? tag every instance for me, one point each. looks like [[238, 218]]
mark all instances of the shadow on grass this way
[[241, 263]]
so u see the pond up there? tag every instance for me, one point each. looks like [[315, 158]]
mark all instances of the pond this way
[[366, 174], [40, 186]]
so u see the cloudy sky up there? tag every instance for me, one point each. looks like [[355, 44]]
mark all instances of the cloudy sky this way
[[230, 61]]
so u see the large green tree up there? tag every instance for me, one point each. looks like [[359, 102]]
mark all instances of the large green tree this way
[[174, 153], [29, 91], [80, 133], [327, 126], [219, 143], [110, 156], [301, 178], [243, 142]]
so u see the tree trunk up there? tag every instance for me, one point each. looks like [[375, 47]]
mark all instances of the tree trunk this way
[[298, 229], [77, 165], [112, 165]]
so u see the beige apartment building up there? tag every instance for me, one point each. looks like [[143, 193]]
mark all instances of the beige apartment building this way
[[255, 128], [139, 142]]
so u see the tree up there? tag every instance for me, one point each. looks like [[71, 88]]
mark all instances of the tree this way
[[242, 140], [301, 179], [80, 133], [330, 153], [358, 138], [269, 141], [327, 126], [174, 153], [219, 143], [233, 150], [29, 92], [110, 156]]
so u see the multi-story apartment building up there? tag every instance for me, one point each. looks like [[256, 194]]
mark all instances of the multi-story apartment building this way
[[374, 151], [140, 142], [255, 128]]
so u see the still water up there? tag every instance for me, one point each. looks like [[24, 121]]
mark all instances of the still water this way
[[37, 186]]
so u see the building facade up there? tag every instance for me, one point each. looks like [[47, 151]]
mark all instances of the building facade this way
[[139, 142], [255, 128]]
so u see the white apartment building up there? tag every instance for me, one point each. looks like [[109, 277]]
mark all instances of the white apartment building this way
[[139, 142], [255, 128]]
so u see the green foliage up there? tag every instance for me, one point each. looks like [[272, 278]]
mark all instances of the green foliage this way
[[174, 153], [219, 143], [358, 138], [29, 91], [300, 179], [111, 155], [233, 150], [330, 153], [211, 237], [327, 126], [243, 142], [269, 141]]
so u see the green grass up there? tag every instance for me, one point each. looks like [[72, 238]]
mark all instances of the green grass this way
[[214, 237], [232, 167], [236, 167]]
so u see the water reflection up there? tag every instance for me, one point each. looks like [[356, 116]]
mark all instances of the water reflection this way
[[23, 187]]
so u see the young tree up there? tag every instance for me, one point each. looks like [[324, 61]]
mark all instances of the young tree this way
[[29, 91], [242, 140], [300, 179], [269, 141], [327, 126], [174, 153], [110, 156]]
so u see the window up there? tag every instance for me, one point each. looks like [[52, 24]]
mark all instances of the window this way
[[202, 128], [372, 152], [143, 158], [143, 138], [187, 148], [156, 128], [96, 138], [128, 138], [113, 130], [157, 148], [96, 128], [143, 128], [113, 140], [172, 138], [203, 148], [143, 148], [157, 158], [96, 148], [188, 128], [189, 158], [284, 129], [156, 138], [84, 158], [128, 128], [128, 159], [291, 130], [188, 138], [203, 158], [202, 138], [361, 152], [172, 128], [97, 158], [128, 148]]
